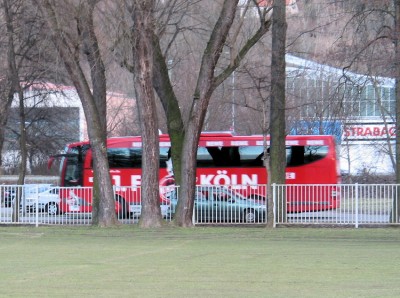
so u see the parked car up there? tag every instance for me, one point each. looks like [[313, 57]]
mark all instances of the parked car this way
[[222, 204], [44, 195]]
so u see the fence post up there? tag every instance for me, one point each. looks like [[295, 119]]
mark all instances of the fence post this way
[[274, 205], [36, 202], [118, 210], [356, 207], [193, 216]]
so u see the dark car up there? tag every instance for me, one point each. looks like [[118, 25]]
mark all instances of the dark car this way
[[220, 204]]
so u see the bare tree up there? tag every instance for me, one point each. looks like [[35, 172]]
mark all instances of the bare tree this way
[[31, 56], [143, 74], [16, 87], [186, 108], [6, 86], [6, 98], [185, 134], [92, 102]]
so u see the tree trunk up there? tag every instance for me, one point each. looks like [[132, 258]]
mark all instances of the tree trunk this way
[[185, 135], [106, 212], [184, 140], [7, 86], [23, 152], [165, 92], [143, 76], [98, 78], [16, 86], [206, 84], [396, 39], [277, 111], [7, 96]]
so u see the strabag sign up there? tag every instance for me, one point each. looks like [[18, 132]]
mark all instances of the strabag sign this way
[[369, 131]]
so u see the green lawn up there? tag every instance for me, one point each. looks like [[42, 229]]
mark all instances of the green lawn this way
[[198, 262]]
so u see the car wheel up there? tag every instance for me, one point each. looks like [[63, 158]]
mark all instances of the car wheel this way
[[249, 216], [52, 208]]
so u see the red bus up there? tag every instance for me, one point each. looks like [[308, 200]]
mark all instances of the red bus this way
[[222, 159]]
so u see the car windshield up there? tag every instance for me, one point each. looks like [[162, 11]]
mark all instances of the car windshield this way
[[32, 189], [219, 193]]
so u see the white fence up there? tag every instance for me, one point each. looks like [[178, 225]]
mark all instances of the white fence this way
[[353, 204], [349, 204]]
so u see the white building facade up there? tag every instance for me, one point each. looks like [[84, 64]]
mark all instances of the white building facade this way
[[358, 109]]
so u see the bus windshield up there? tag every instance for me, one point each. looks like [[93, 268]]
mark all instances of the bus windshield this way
[[72, 165]]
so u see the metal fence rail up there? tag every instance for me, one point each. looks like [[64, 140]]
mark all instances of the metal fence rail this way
[[347, 204], [355, 204]]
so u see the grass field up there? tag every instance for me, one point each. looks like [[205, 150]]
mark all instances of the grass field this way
[[198, 262]]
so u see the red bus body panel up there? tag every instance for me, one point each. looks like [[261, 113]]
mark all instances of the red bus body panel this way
[[128, 181]]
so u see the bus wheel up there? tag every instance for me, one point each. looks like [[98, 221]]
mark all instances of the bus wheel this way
[[249, 216], [123, 210], [52, 208]]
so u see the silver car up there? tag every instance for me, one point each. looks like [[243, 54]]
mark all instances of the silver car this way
[[44, 196]]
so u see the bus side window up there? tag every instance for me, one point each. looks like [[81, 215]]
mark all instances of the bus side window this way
[[296, 156], [217, 156], [124, 157], [204, 158], [234, 156], [251, 156], [314, 153], [301, 155], [225, 156]]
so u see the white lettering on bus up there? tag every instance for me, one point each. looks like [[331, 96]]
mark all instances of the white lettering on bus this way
[[290, 175], [249, 180], [315, 142], [117, 180], [214, 143], [291, 143], [261, 143], [239, 143], [136, 180], [223, 179]]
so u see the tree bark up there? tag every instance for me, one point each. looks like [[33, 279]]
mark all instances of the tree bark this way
[[143, 76], [277, 112], [165, 92]]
